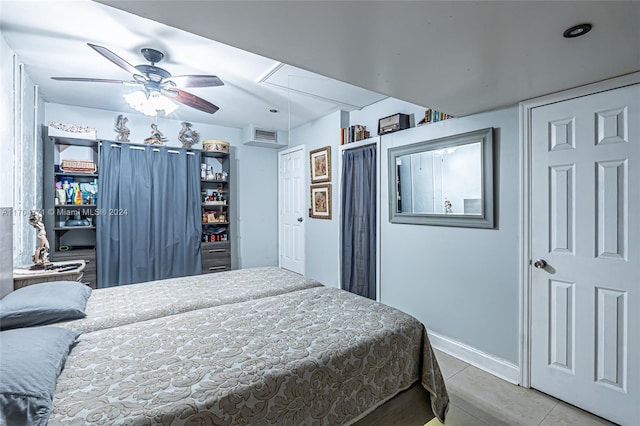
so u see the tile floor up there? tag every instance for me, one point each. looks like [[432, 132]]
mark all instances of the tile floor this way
[[481, 399]]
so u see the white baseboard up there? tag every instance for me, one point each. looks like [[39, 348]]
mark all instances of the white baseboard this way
[[482, 360]]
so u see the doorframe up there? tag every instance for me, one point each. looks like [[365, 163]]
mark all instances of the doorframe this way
[[525, 111], [282, 153]]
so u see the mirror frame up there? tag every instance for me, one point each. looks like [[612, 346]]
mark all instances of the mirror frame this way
[[486, 220]]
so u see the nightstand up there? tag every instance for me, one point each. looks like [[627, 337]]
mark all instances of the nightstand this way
[[23, 276]]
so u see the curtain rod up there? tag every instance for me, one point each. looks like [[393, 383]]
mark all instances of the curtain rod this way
[[143, 148], [344, 148]]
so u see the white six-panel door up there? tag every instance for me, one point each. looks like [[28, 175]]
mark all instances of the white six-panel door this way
[[585, 224], [291, 205]]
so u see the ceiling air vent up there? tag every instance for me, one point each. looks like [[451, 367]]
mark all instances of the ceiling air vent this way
[[261, 137], [265, 135]]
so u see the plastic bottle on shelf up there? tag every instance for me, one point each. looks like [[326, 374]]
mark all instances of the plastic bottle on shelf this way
[[68, 190], [77, 194]]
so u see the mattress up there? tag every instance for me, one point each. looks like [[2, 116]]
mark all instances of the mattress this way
[[317, 356], [127, 304]]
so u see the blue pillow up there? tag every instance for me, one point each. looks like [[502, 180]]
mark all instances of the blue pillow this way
[[44, 303], [31, 359]]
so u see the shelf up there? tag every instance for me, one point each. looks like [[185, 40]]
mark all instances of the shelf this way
[[63, 140], [79, 251], [213, 181], [212, 244], [77, 174], [360, 143], [71, 228], [74, 206], [213, 154], [215, 205], [215, 223]]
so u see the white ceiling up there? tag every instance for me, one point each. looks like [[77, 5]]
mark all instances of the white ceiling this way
[[50, 38], [458, 57]]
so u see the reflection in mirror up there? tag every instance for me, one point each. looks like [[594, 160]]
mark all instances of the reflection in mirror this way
[[441, 181], [447, 181]]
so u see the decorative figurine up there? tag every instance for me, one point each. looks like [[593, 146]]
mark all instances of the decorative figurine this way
[[41, 256], [210, 175], [448, 207], [156, 138], [187, 136], [122, 129]]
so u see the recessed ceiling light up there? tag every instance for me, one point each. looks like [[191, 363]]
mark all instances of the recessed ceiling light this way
[[577, 31], [273, 110]]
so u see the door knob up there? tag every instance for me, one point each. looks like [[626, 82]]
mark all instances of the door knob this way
[[540, 263], [300, 219]]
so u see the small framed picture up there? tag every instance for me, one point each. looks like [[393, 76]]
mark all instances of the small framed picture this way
[[320, 164], [321, 201]]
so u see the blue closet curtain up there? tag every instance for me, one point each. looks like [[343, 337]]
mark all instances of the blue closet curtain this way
[[358, 269], [148, 214]]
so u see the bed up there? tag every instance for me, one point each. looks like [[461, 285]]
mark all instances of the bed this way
[[314, 356], [262, 346], [115, 306]]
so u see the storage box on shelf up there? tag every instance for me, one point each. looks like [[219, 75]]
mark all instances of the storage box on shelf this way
[[215, 204]]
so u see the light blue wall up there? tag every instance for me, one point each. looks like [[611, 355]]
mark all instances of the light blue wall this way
[[322, 235], [460, 282], [322, 239], [257, 189], [253, 180]]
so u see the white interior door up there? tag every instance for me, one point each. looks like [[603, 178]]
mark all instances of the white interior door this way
[[585, 224], [291, 205]]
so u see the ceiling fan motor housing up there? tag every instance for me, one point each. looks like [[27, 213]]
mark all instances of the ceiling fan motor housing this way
[[152, 55], [153, 73]]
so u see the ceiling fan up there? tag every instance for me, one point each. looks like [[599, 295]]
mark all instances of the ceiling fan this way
[[156, 80]]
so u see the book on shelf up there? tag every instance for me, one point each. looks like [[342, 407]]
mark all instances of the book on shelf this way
[[354, 133], [433, 116]]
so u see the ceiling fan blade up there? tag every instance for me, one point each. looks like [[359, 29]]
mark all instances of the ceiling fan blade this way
[[89, 80], [114, 58], [191, 100], [196, 80], [98, 80]]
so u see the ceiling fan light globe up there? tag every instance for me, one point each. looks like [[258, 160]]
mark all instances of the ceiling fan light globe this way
[[150, 105]]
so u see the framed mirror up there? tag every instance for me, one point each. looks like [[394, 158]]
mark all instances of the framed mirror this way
[[446, 181]]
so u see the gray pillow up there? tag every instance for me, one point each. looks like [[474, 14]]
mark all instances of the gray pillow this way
[[44, 303], [32, 360]]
